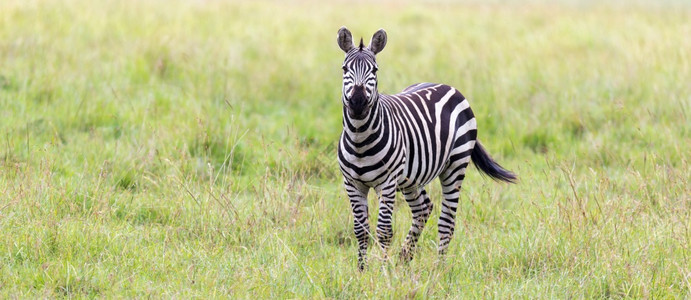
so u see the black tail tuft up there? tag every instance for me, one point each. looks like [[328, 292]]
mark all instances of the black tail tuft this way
[[487, 165]]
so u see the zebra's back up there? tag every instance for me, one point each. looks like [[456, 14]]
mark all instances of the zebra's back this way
[[435, 122]]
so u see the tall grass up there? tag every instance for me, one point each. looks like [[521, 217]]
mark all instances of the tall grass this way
[[187, 149]]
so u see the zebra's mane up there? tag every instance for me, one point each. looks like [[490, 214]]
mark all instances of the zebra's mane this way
[[361, 45]]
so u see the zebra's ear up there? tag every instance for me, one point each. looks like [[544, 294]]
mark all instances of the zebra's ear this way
[[345, 39], [378, 41]]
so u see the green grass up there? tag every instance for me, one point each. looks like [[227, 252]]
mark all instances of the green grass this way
[[187, 149]]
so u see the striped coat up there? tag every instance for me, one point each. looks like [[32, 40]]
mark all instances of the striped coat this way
[[401, 143]]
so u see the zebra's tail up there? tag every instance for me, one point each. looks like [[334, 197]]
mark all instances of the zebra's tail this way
[[487, 165]]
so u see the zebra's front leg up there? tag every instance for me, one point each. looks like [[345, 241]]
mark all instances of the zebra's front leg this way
[[421, 208], [358, 203], [384, 221]]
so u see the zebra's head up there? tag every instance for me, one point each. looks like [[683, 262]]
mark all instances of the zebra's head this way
[[360, 72]]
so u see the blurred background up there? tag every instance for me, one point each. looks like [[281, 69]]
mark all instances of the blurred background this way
[[130, 127]]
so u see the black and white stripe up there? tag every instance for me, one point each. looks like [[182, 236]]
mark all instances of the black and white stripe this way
[[401, 143]]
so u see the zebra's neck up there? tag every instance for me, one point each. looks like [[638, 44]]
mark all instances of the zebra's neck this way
[[359, 130]]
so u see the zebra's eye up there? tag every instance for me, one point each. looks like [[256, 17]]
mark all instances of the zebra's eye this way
[[375, 70], [345, 69]]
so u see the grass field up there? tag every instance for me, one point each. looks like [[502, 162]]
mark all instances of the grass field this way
[[187, 149]]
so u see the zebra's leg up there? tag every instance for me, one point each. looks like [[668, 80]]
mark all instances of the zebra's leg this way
[[358, 203], [451, 179], [421, 208], [384, 220]]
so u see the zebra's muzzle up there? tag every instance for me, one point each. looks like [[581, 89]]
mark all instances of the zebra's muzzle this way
[[357, 103]]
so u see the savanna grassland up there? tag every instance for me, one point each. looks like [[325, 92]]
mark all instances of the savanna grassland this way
[[187, 149]]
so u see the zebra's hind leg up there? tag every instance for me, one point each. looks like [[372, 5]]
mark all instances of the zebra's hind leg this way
[[358, 203], [421, 208], [451, 179]]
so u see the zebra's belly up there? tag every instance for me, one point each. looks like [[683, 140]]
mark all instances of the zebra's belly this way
[[416, 176]]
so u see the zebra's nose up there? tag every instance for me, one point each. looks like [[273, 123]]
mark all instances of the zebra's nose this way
[[357, 88], [358, 101]]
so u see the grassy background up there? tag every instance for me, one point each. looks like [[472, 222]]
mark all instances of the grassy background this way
[[187, 148]]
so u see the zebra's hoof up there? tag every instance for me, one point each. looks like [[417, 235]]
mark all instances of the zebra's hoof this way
[[406, 256], [361, 266]]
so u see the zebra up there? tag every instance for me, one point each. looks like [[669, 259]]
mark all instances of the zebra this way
[[402, 142]]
